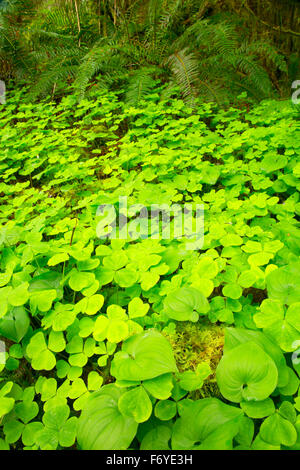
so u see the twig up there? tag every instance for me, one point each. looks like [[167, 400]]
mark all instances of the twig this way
[[73, 231], [78, 21]]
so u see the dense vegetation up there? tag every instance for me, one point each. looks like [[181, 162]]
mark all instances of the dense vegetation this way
[[144, 343], [214, 48]]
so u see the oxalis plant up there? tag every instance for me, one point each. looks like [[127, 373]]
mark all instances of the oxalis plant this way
[[91, 326]]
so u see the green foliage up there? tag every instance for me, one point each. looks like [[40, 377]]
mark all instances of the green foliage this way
[[113, 343], [189, 44], [102, 426]]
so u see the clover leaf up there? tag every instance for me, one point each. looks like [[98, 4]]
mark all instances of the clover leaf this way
[[41, 357]]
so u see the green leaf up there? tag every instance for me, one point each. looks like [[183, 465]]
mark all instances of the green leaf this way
[[236, 336], [30, 432], [292, 386], [185, 304], [283, 328], [246, 373], [117, 331], [207, 268], [190, 380], [57, 259], [56, 341], [233, 291], [247, 279], [91, 305], [101, 426], [47, 281], [258, 409], [67, 433], [246, 432], [6, 405], [45, 361], [42, 300], [136, 404], [77, 389], [143, 356], [48, 389], [13, 430], [287, 411], [165, 410], [276, 430], [15, 324], [80, 280], [148, 280], [160, 387], [36, 345], [137, 308], [156, 439], [47, 439], [94, 380], [56, 417], [126, 278], [42, 358], [206, 424], [26, 411], [19, 296], [283, 284]]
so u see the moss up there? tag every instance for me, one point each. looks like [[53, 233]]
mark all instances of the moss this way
[[194, 343]]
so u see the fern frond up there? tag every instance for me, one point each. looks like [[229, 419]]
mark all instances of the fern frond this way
[[139, 85], [184, 67], [98, 59], [62, 67], [268, 52]]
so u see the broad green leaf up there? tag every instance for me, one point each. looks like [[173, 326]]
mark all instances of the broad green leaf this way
[[283, 284], [101, 426], [246, 373], [206, 424], [157, 439], [144, 356], [185, 304], [236, 336], [258, 409]]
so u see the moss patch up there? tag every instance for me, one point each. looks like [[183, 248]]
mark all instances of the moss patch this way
[[194, 343]]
